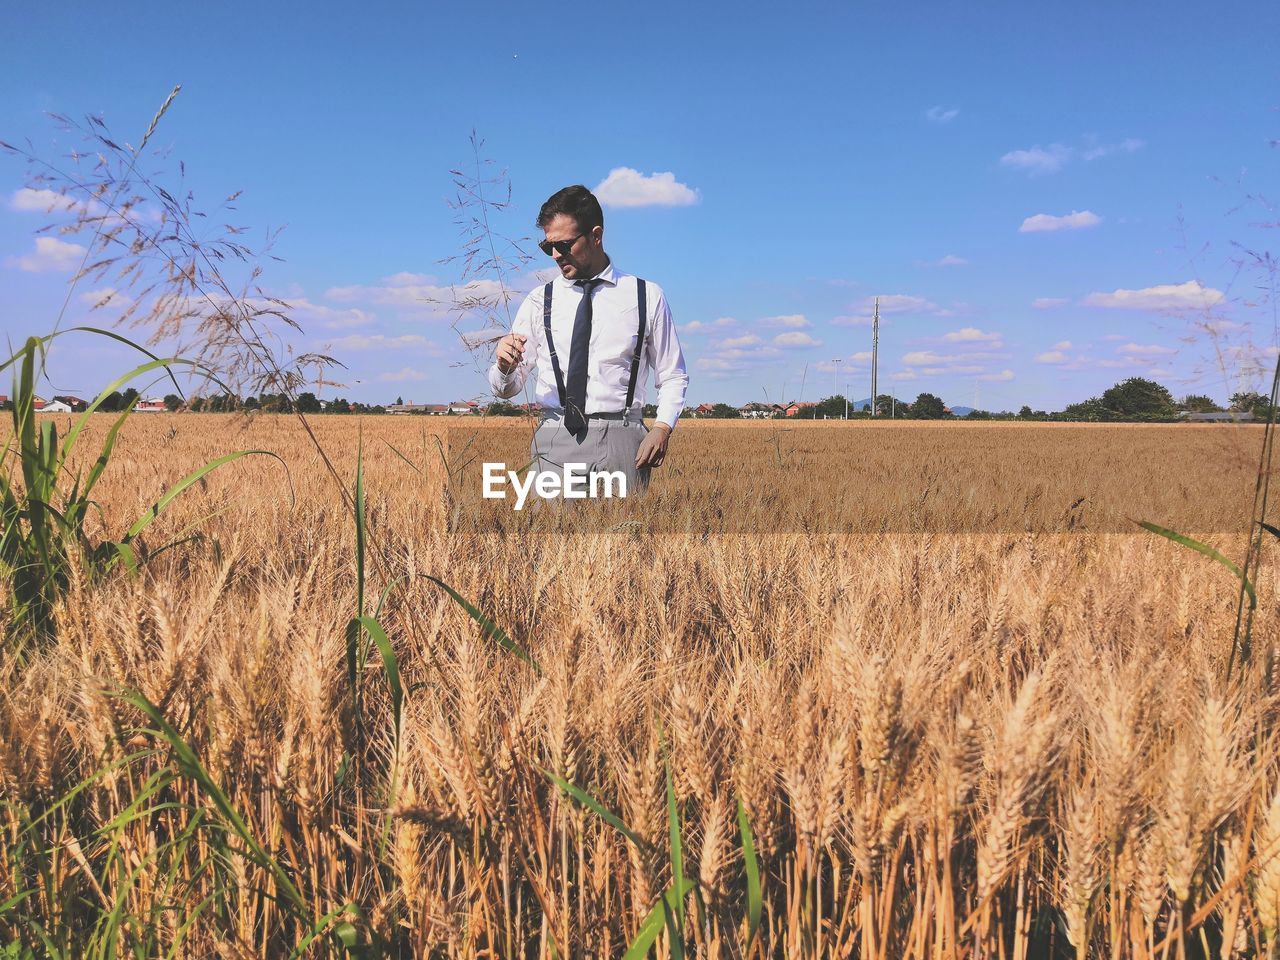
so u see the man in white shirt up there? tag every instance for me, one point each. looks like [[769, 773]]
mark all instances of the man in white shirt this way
[[590, 348]]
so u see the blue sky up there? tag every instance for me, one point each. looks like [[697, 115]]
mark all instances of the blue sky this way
[[1045, 196]]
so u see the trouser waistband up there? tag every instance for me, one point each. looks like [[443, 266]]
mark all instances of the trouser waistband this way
[[602, 415]]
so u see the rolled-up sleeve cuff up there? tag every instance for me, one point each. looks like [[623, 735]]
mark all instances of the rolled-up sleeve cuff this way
[[501, 382]]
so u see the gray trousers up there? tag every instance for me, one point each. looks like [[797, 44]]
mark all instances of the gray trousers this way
[[606, 445]]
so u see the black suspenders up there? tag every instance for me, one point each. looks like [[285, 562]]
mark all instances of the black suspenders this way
[[643, 308]]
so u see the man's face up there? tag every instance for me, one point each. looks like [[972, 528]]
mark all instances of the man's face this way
[[585, 258]]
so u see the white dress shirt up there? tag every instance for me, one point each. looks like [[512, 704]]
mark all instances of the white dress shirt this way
[[614, 325]]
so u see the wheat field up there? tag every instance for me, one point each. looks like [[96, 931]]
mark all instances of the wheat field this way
[[984, 722]]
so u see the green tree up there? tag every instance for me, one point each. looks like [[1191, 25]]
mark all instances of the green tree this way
[[500, 408], [1249, 402], [1138, 397], [649, 410], [399, 401], [172, 402], [1092, 409], [1198, 403], [832, 408], [723, 411], [928, 407], [307, 403]]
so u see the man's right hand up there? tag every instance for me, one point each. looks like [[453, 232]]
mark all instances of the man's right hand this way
[[510, 352]]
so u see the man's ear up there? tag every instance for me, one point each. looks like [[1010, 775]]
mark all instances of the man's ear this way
[[597, 235]]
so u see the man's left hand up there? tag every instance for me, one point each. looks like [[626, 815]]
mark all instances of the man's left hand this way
[[653, 448]]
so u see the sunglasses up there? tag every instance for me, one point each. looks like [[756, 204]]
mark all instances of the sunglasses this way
[[562, 247]]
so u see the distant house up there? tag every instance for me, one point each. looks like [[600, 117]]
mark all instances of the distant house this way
[[75, 403], [533, 407], [462, 406], [702, 410], [403, 408], [37, 403], [756, 410], [1246, 417], [149, 405], [795, 406], [55, 406]]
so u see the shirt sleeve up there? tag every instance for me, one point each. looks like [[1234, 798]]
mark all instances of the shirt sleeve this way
[[509, 384], [667, 360]]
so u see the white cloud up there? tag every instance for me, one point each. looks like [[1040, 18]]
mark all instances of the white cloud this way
[[1062, 345], [889, 304], [796, 338], [971, 335], [1038, 159], [27, 200], [403, 375], [951, 260], [1052, 356], [625, 187], [1075, 220], [419, 294], [920, 358], [1002, 377], [51, 255], [1054, 157], [1145, 350], [794, 321], [1048, 303], [699, 326], [1166, 296], [941, 115], [379, 341], [106, 297], [859, 359], [736, 343], [903, 375], [406, 279], [1129, 145]]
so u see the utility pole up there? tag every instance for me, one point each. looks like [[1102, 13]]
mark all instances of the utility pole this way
[[875, 354], [835, 366]]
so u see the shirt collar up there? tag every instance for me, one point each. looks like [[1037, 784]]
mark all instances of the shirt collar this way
[[609, 275]]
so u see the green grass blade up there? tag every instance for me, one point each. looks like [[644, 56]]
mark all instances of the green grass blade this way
[[345, 933], [487, 627], [83, 420], [413, 466], [360, 531], [190, 765], [390, 663], [386, 592], [1207, 550], [595, 806], [655, 921], [673, 832], [194, 477], [752, 870]]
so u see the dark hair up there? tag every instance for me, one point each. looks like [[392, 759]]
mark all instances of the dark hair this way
[[577, 202]]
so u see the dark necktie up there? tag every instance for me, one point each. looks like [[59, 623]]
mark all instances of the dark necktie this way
[[575, 388]]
